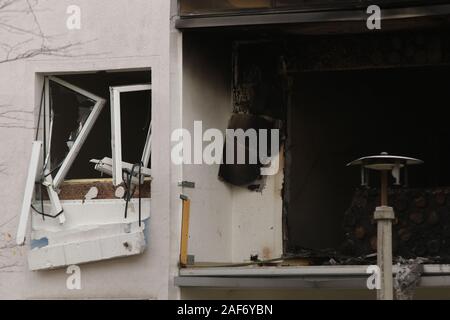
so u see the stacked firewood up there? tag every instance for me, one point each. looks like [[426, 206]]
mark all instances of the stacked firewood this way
[[421, 229]]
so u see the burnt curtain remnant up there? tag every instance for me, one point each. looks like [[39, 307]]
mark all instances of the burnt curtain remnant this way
[[246, 173]]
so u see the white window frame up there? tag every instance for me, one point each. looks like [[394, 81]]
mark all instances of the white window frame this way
[[32, 177], [48, 180], [50, 183], [116, 130], [82, 136]]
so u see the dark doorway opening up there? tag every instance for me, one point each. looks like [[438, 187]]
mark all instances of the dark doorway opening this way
[[336, 117]]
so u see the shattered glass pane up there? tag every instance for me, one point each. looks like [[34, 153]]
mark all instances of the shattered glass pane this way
[[135, 115], [69, 112], [39, 197]]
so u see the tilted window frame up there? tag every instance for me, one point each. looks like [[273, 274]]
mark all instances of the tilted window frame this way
[[33, 170], [50, 183], [116, 130], [85, 130]]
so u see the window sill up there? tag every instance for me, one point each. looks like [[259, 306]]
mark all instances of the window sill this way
[[94, 230], [77, 189], [103, 248]]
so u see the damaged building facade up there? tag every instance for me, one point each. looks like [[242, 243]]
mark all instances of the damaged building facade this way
[[89, 181], [85, 103]]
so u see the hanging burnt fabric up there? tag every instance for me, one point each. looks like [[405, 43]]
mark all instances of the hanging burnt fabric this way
[[235, 172]]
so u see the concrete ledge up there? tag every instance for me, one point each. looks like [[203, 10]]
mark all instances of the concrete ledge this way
[[337, 277], [339, 282], [311, 271]]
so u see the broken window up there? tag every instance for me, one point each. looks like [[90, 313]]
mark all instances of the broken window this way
[[78, 104], [75, 129], [117, 95], [73, 112], [135, 119]]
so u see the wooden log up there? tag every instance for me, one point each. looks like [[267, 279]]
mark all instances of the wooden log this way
[[423, 227], [416, 217], [433, 218], [420, 202], [440, 198], [360, 232]]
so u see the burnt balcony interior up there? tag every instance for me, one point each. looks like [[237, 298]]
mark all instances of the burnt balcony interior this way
[[339, 116], [341, 98]]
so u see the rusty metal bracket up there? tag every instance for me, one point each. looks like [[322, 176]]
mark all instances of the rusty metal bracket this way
[[187, 184]]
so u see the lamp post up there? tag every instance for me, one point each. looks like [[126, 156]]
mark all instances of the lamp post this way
[[384, 214]]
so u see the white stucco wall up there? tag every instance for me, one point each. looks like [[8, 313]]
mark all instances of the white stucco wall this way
[[114, 35], [136, 36], [228, 223], [257, 221], [207, 98]]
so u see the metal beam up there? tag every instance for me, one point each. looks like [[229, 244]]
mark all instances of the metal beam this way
[[308, 17]]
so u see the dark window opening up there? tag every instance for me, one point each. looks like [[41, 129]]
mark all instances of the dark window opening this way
[[135, 121], [71, 110], [336, 117]]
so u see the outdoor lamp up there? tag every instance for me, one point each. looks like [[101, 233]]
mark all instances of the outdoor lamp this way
[[384, 214]]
